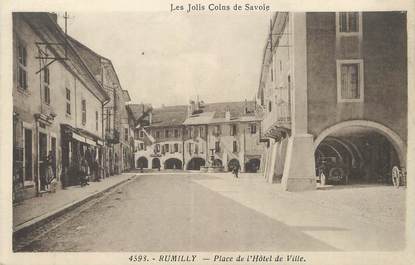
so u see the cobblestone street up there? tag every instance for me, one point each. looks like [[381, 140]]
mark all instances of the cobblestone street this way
[[206, 212]]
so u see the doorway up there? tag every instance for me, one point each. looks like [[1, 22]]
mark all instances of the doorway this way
[[28, 155], [42, 160]]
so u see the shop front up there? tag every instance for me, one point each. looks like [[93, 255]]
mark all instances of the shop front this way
[[78, 144]]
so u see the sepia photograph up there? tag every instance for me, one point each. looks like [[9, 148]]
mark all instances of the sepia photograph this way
[[208, 133]]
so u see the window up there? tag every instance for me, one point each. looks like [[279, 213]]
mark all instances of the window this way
[[157, 134], [83, 105], [22, 64], [141, 146], [166, 147], [167, 133], [176, 148], [217, 146], [68, 101], [157, 148], [269, 106], [252, 127], [96, 120], [141, 135], [176, 133], [216, 130], [235, 147], [196, 149], [46, 82], [202, 132], [190, 132], [125, 134], [348, 22], [350, 81], [233, 129]]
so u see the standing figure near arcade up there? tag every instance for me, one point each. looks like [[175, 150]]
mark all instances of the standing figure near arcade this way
[[236, 169]]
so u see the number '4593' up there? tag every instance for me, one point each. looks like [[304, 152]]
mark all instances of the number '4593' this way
[[138, 258]]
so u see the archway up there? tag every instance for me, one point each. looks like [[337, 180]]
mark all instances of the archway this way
[[365, 150], [195, 163], [217, 162], [173, 163], [155, 163], [232, 163], [252, 166], [142, 162]]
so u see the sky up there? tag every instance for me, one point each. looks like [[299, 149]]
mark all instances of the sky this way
[[167, 58]]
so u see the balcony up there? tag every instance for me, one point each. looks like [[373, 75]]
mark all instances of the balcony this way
[[278, 121]]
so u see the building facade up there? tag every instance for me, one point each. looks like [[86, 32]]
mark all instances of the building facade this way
[[333, 87], [117, 123], [195, 136], [57, 105]]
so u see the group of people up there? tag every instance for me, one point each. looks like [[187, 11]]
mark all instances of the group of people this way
[[89, 168]]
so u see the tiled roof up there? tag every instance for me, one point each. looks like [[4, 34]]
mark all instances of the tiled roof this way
[[138, 110], [169, 115], [237, 109], [202, 118], [91, 58]]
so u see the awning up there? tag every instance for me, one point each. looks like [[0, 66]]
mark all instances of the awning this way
[[80, 135]]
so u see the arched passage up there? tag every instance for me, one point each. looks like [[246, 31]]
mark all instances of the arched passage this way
[[232, 163], [142, 162], [365, 150], [217, 162], [155, 163], [195, 163], [252, 166], [173, 163]]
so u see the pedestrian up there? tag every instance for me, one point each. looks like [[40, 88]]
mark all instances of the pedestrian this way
[[49, 171], [236, 169], [83, 174]]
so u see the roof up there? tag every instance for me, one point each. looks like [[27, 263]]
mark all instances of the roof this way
[[138, 110], [237, 109], [202, 118], [216, 113], [45, 26], [91, 58], [169, 116]]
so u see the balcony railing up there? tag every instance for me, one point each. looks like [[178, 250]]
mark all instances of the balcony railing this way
[[280, 116]]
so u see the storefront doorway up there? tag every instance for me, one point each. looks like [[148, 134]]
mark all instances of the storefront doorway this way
[[43, 144]]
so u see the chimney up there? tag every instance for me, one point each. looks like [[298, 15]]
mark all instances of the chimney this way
[[191, 107], [150, 117], [227, 114]]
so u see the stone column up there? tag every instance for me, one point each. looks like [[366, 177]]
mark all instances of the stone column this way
[[299, 166]]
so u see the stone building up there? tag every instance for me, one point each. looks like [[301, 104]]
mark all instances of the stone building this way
[[333, 87], [190, 137], [117, 123], [57, 105]]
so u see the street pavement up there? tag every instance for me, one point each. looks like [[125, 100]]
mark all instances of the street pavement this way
[[215, 212]]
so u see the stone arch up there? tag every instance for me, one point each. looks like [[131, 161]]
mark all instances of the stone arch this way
[[232, 163], [393, 137], [195, 163], [142, 162], [155, 163], [173, 163]]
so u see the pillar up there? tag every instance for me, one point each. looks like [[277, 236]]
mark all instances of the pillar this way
[[299, 166]]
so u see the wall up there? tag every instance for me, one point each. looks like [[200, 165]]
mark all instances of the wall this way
[[383, 50], [27, 103]]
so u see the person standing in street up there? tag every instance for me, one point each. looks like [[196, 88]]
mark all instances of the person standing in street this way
[[235, 170]]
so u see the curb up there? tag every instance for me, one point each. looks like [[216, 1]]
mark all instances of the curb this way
[[42, 219]]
